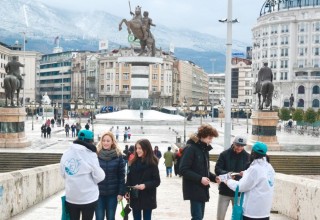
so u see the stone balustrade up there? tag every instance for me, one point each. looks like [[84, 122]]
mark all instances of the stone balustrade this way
[[22, 189]]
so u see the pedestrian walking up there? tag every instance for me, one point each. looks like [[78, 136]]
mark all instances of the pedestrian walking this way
[[177, 157], [43, 131], [73, 130], [78, 128], [112, 188], [257, 183], [156, 152], [235, 159], [195, 170], [129, 132], [80, 168], [52, 122], [62, 122], [168, 161], [143, 178], [67, 129], [125, 134], [87, 126], [48, 131], [117, 133]]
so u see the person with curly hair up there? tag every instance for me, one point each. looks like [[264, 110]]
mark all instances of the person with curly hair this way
[[195, 170]]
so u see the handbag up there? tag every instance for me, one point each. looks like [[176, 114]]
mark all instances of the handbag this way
[[125, 210], [65, 214], [237, 205]]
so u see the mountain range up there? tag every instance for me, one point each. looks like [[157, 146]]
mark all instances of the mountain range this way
[[83, 30]]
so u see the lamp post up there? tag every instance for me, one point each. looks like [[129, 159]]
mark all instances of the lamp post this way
[[201, 108], [232, 116], [24, 62], [92, 108], [227, 130], [62, 84], [184, 121]]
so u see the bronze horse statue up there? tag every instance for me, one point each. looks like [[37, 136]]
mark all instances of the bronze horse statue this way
[[266, 91], [136, 27], [11, 85]]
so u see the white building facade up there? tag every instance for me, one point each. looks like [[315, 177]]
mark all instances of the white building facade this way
[[287, 36]]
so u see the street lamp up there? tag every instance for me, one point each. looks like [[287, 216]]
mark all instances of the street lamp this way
[[201, 108], [62, 84], [185, 120], [92, 108], [24, 62], [229, 21], [32, 106], [232, 116]]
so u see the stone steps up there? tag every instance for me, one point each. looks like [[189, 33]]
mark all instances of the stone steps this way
[[17, 161], [292, 164]]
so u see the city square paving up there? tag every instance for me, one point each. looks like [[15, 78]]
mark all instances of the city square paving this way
[[171, 205]]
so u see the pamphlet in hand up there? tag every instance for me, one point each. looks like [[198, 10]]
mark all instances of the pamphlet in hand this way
[[235, 174], [225, 177]]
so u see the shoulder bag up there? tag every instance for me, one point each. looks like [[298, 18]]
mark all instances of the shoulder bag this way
[[237, 206]]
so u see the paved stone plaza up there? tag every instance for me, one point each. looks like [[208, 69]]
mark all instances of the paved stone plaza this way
[[170, 202]]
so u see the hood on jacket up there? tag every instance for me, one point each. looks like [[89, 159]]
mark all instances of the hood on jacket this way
[[196, 140]]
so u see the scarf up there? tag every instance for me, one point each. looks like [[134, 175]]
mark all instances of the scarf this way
[[107, 154]]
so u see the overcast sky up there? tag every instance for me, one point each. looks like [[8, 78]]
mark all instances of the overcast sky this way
[[198, 15]]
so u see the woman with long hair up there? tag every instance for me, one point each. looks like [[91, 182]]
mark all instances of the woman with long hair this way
[[112, 188], [143, 179]]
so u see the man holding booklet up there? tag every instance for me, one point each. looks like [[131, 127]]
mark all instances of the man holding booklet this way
[[233, 162]]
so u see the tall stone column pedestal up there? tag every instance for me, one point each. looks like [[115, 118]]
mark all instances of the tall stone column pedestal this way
[[264, 127], [12, 128]]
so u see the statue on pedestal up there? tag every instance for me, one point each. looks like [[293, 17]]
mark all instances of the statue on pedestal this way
[[13, 81], [140, 27], [265, 87]]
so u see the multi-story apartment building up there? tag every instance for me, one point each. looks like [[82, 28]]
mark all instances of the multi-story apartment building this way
[[28, 58], [287, 36], [241, 82], [192, 83], [216, 88], [115, 80]]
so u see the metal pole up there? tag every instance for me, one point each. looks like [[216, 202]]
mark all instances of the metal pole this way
[[227, 130], [24, 62], [32, 108], [62, 96], [184, 128], [247, 122], [92, 121]]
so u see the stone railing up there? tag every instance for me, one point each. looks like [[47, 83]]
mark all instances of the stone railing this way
[[297, 197], [22, 189]]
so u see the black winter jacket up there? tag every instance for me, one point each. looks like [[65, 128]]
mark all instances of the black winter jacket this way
[[229, 161], [140, 173], [194, 165], [114, 182]]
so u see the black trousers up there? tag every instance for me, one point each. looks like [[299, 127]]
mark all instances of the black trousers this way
[[86, 210], [247, 218]]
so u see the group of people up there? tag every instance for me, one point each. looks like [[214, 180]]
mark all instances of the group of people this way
[[96, 179], [96, 176], [126, 133], [46, 130]]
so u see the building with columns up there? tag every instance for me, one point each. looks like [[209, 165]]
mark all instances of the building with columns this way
[[287, 36]]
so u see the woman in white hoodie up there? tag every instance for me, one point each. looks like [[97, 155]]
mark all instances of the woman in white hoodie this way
[[257, 184], [81, 170]]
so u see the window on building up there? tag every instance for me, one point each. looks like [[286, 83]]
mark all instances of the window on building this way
[[302, 39], [284, 52], [274, 29], [315, 90], [102, 88], [316, 39], [284, 28], [301, 90], [301, 103], [316, 26], [286, 103], [117, 76], [316, 51], [247, 92], [162, 76], [315, 103], [275, 76], [247, 83], [162, 89], [125, 76], [108, 88], [117, 88], [154, 76], [154, 88], [284, 64], [284, 40], [108, 76], [125, 87]]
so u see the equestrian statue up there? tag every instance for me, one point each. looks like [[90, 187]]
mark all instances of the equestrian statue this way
[[265, 87], [140, 28], [13, 81]]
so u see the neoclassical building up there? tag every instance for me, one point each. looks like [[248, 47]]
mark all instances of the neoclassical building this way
[[287, 36]]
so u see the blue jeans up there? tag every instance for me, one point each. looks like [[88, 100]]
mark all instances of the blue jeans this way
[[197, 210], [146, 214], [107, 206], [169, 170]]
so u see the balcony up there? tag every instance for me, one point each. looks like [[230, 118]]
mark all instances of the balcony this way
[[126, 92]]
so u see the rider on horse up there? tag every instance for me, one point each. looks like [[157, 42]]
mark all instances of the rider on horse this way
[[265, 74], [13, 68]]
